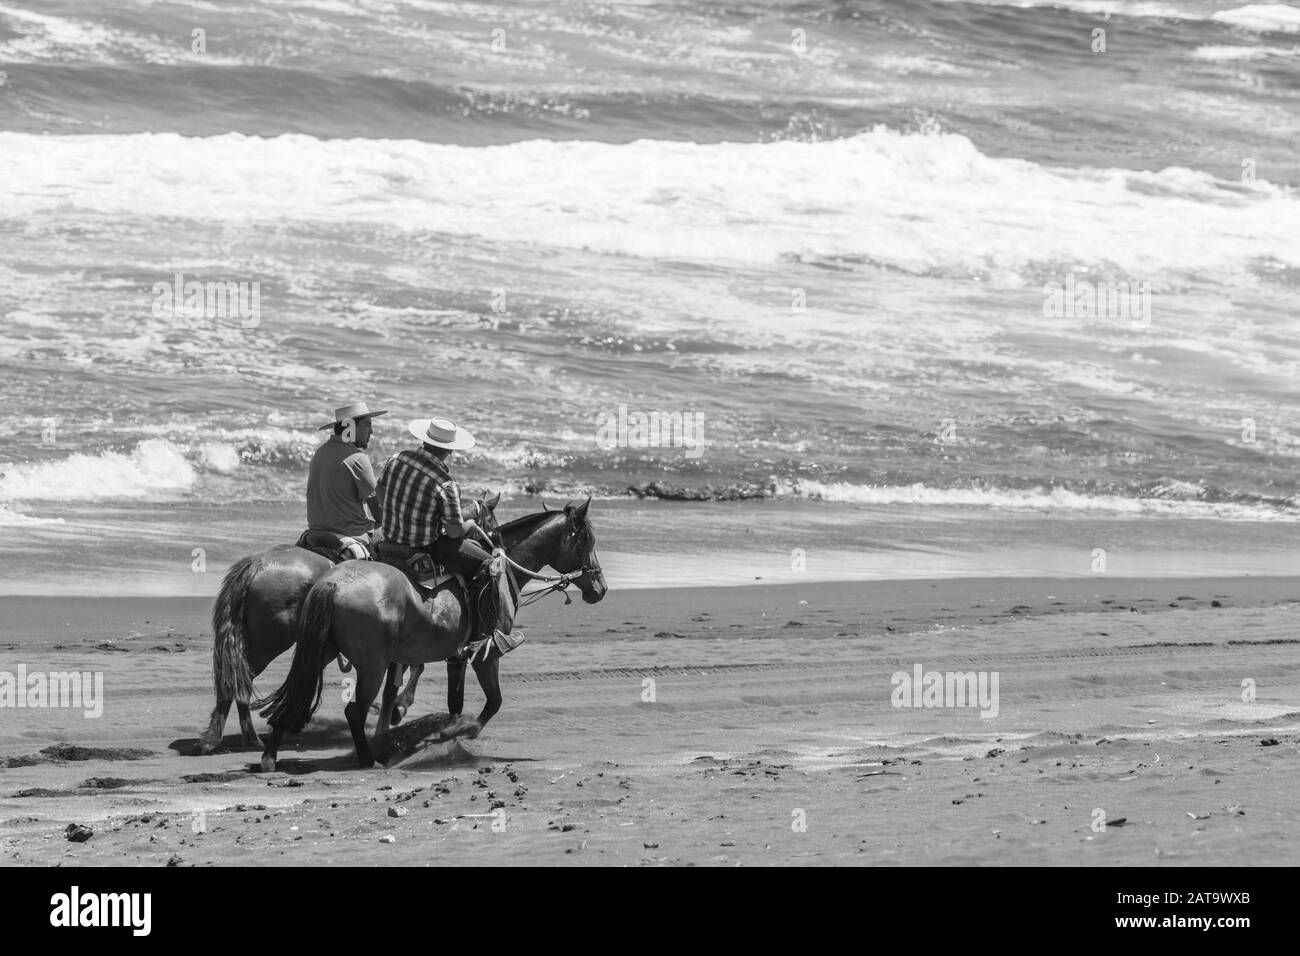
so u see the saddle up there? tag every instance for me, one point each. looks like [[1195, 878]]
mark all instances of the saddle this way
[[337, 547], [419, 566], [427, 576]]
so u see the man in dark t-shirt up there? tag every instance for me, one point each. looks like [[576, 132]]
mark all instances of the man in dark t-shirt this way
[[341, 480]]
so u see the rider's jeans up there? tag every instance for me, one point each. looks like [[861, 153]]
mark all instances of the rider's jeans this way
[[460, 555]]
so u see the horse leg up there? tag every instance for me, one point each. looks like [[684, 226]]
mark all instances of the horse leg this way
[[259, 658], [455, 686], [248, 733], [260, 654], [489, 678], [211, 738], [386, 702], [264, 645], [356, 715], [368, 685], [407, 697], [272, 749]]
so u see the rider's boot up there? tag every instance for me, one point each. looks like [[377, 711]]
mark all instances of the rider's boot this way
[[495, 625]]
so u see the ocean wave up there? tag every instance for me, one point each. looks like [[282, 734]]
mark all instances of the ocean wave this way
[[1170, 499], [1127, 8], [153, 467], [1258, 17], [925, 203], [16, 519], [213, 447], [220, 458], [1262, 17], [42, 38], [1233, 54]]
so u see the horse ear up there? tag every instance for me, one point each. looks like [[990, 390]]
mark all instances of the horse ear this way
[[492, 502], [545, 506], [580, 512]]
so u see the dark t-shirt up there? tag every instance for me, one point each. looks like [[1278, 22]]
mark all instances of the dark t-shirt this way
[[339, 481]]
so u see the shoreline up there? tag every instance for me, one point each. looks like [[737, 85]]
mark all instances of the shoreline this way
[[165, 589], [159, 551], [887, 605]]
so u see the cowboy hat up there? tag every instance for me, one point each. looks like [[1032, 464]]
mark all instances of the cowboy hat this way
[[441, 433], [356, 411]]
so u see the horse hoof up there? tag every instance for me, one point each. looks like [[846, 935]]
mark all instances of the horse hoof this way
[[268, 764], [367, 763], [202, 749], [469, 729]]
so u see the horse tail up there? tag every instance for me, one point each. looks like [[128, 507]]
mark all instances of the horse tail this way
[[231, 674], [292, 705]]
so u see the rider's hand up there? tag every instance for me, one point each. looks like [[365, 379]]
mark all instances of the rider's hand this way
[[471, 528]]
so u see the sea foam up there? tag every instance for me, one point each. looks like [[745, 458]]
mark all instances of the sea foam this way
[[1058, 500], [154, 466], [925, 203]]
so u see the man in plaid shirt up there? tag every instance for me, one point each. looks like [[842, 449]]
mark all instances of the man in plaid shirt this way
[[420, 508]]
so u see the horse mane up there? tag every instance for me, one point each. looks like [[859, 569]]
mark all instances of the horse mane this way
[[527, 521]]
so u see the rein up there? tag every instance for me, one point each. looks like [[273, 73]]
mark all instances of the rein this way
[[554, 583]]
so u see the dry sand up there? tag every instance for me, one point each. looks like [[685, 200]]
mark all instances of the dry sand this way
[[772, 707]]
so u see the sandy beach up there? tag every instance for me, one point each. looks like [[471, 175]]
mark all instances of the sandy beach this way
[[706, 726]]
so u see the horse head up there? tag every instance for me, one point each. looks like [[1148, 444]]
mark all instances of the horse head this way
[[564, 540], [578, 553], [485, 513]]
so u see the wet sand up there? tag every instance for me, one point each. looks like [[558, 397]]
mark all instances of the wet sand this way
[[706, 726]]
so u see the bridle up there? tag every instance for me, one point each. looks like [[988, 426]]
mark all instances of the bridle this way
[[481, 514], [553, 583]]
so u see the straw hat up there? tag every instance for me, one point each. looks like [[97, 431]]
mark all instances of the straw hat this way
[[441, 433], [356, 411]]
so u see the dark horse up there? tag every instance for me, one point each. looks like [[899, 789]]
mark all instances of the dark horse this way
[[375, 617], [255, 620]]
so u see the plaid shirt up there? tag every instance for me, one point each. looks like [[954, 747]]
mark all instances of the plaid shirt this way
[[416, 497]]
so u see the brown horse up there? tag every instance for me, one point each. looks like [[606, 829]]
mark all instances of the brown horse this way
[[255, 620], [529, 550], [375, 617]]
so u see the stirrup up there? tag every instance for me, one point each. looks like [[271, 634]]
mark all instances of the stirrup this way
[[504, 643]]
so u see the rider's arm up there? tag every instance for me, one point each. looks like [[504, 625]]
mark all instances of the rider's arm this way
[[363, 474], [454, 523], [381, 486]]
